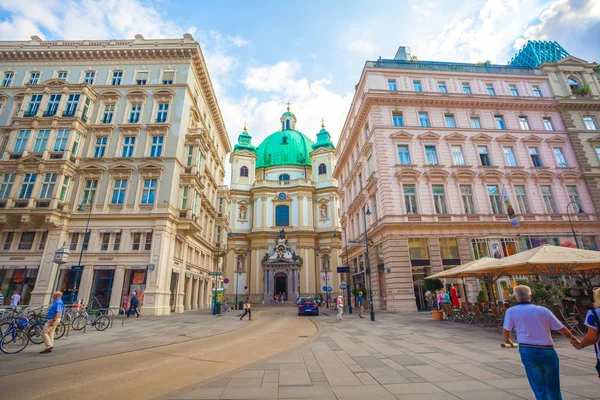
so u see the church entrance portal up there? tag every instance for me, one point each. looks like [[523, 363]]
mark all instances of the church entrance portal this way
[[281, 283]]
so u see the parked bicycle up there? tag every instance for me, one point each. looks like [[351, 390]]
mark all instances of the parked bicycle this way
[[15, 338], [97, 319], [36, 328]]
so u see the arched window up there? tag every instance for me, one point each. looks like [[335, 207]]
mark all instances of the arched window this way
[[284, 177], [282, 215], [244, 171], [322, 169], [287, 124], [573, 83]]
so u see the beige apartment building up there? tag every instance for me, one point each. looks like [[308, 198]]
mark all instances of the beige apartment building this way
[[123, 135]]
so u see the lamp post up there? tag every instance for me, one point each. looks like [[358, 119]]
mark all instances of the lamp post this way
[[368, 212], [217, 269], [571, 222], [349, 274], [83, 243]]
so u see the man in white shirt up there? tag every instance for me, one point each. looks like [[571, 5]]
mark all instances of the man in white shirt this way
[[15, 299], [534, 326]]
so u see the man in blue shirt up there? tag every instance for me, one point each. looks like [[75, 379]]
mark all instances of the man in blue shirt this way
[[53, 315], [361, 304]]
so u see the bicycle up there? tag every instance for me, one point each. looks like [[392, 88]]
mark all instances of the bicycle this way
[[99, 321], [15, 339], [36, 329]]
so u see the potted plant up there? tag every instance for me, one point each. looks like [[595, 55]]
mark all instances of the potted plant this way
[[432, 286], [482, 298]]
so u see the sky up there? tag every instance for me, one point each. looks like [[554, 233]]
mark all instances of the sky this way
[[262, 54]]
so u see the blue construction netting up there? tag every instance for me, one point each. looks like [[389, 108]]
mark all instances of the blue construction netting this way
[[536, 52]]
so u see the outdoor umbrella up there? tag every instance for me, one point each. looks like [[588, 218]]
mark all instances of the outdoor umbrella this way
[[463, 270]]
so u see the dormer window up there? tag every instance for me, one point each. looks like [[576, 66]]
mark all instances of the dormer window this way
[[244, 171], [573, 83], [284, 177], [322, 169]]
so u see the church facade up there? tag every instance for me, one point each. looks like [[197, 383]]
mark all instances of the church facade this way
[[285, 234]]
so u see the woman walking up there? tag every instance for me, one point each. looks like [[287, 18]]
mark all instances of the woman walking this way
[[340, 308], [592, 321], [247, 310]]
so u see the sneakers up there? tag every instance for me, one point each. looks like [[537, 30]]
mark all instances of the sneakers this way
[[48, 350]]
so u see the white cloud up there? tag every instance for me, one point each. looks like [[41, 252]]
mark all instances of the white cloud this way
[[363, 47], [272, 78], [425, 8]]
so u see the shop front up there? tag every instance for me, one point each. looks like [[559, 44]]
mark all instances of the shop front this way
[[17, 279], [69, 282], [102, 288], [134, 281]]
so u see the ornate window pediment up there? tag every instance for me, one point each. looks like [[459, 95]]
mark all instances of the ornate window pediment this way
[[544, 176], [464, 175], [408, 174], [54, 85], [92, 170], [532, 139], [109, 96], [137, 96], [595, 139], [401, 135], [556, 140], [517, 175], [569, 176], [436, 175], [481, 137], [491, 175], [163, 95], [429, 136], [121, 167], [150, 170], [507, 139], [455, 137]]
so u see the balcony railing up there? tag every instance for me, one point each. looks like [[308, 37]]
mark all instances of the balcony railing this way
[[21, 204], [69, 113], [49, 113], [29, 114], [42, 204], [453, 67]]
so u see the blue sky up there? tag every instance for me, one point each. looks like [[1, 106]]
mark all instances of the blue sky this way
[[262, 54]]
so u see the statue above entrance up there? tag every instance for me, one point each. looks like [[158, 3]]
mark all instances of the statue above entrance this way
[[281, 252]]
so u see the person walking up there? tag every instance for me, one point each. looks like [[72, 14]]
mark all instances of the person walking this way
[[592, 321], [134, 302], [340, 308], [446, 298], [440, 299], [247, 310], [54, 313], [15, 299], [454, 296], [361, 304], [534, 326]]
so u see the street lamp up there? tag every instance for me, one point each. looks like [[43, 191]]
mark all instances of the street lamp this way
[[368, 212], [571, 222], [217, 269], [349, 275], [83, 244]]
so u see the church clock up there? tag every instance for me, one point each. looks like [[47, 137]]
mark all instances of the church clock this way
[[281, 196]]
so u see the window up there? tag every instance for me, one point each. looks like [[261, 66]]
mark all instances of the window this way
[[573, 83], [10, 236], [48, 186], [61, 140], [71, 106], [64, 188], [536, 160], [41, 140], [184, 197], [156, 146], [484, 156], [523, 123], [244, 171], [104, 241], [89, 191], [26, 242], [495, 199], [573, 196], [442, 87], [34, 77], [522, 200], [403, 154], [43, 240], [3, 145], [8, 77], [475, 123], [431, 157], [537, 92], [52, 105], [322, 169], [149, 191], [423, 120], [141, 78], [116, 78], [466, 88], [548, 199], [89, 77], [410, 199], [21, 141], [117, 242], [34, 105], [449, 251], [548, 123], [509, 156], [439, 199], [391, 84], [134, 113], [417, 86], [163, 111], [397, 119], [284, 177], [148, 242], [282, 215], [118, 196], [559, 154], [513, 90], [457, 155], [62, 75], [489, 88], [135, 242], [27, 186], [466, 193], [6, 185], [128, 146], [107, 115], [100, 148], [370, 165], [418, 251], [168, 77], [74, 240], [590, 123], [499, 121], [450, 123], [86, 109], [190, 156]]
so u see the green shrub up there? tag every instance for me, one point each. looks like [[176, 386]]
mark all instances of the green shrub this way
[[432, 285], [545, 294]]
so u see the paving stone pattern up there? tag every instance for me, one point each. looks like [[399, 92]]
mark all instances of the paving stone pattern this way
[[398, 357]]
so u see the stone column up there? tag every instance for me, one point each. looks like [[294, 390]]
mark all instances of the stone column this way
[[202, 295], [435, 255], [117, 286], [47, 274], [195, 294], [468, 291], [188, 292], [399, 282]]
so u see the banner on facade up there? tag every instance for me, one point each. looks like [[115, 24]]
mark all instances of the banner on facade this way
[[509, 208]]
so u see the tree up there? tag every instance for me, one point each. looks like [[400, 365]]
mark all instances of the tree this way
[[432, 285], [545, 294]]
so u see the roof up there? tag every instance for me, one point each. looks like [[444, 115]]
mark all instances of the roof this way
[[484, 68], [288, 147], [537, 52]]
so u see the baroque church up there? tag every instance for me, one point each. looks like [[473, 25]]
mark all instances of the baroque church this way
[[284, 220]]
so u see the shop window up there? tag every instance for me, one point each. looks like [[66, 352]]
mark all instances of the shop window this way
[[449, 251], [419, 252], [480, 248]]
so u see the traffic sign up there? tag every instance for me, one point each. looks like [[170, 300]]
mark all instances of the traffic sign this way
[[343, 286], [329, 289], [341, 270], [226, 281], [77, 267], [218, 273], [324, 288], [225, 285]]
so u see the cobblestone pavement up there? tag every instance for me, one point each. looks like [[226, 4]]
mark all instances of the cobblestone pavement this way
[[397, 357], [135, 334]]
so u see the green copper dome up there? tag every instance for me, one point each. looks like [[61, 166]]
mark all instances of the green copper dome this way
[[287, 147], [244, 142]]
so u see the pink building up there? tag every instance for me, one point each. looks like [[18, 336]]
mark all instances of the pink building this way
[[429, 148]]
